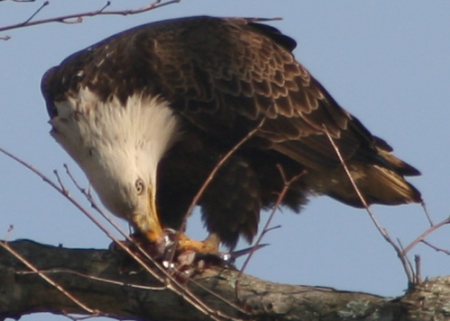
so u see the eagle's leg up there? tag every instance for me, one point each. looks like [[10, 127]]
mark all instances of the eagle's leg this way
[[162, 241], [180, 243], [209, 245], [165, 240]]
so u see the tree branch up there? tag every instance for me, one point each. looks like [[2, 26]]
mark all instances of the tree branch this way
[[94, 277], [78, 17]]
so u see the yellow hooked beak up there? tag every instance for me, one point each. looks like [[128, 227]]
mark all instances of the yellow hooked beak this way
[[146, 217]]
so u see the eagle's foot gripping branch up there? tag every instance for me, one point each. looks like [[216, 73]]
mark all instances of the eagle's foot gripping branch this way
[[183, 256], [183, 243], [185, 251], [187, 255], [176, 252]]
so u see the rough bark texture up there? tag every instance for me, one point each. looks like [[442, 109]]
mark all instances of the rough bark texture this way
[[22, 294]]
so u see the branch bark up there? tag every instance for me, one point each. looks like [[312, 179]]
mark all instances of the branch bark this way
[[23, 293]]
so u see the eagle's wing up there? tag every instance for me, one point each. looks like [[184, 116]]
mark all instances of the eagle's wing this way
[[224, 76]]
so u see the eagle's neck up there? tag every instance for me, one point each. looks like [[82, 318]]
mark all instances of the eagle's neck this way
[[111, 140]]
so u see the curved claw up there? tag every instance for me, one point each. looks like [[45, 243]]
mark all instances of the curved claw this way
[[167, 245]]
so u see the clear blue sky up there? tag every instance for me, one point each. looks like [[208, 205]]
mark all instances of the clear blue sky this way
[[387, 62]]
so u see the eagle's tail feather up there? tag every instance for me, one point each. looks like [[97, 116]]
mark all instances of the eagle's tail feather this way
[[377, 184]]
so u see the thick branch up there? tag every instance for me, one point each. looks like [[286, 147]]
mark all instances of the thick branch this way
[[24, 293]]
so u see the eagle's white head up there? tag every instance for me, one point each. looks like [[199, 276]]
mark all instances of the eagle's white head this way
[[119, 147]]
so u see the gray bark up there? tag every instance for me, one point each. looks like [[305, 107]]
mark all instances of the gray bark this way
[[22, 294]]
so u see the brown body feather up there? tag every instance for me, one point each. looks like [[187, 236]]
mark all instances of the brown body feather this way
[[222, 77]]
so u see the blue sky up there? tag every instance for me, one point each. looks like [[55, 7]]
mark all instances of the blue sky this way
[[387, 62]]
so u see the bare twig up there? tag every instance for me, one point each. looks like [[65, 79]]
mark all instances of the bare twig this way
[[401, 254], [107, 217], [79, 16], [20, 1], [110, 220], [287, 185], [107, 4], [95, 278], [209, 179], [265, 231], [219, 164], [46, 3], [8, 232], [437, 249], [421, 237], [408, 261], [47, 279], [31, 168], [425, 210], [418, 269], [168, 280], [139, 248], [61, 185], [81, 208]]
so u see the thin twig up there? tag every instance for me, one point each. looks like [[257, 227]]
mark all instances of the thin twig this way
[[408, 261], [219, 165], [46, 278], [169, 281], [271, 229], [141, 250], [107, 4], [427, 214], [46, 3], [210, 177], [437, 249], [380, 228], [94, 205], [287, 184], [421, 237], [31, 168], [107, 217], [61, 185], [74, 181], [95, 278], [8, 232], [79, 16], [418, 269], [401, 254]]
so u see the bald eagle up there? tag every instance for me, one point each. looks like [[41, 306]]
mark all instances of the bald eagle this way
[[149, 112]]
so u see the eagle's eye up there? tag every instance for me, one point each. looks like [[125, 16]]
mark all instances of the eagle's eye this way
[[140, 187]]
